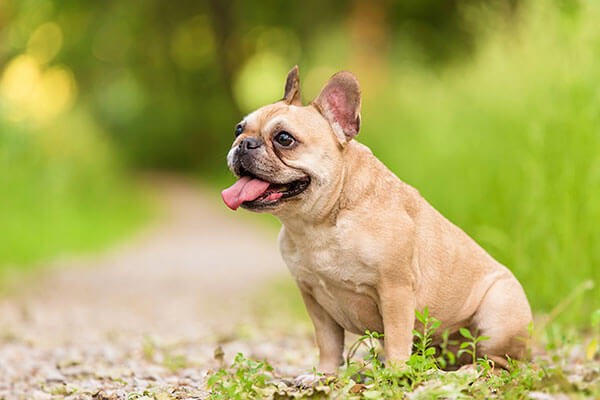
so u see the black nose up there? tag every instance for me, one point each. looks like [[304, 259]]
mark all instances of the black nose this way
[[250, 143]]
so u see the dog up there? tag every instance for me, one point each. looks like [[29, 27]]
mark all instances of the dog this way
[[366, 250]]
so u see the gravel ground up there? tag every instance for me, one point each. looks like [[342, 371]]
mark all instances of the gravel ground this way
[[148, 315], [152, 318]]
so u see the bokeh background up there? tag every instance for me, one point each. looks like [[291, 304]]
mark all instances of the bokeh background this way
[[491, 108]]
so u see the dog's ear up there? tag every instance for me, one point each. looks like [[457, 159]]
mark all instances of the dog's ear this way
[[292, 94], [339, 103]]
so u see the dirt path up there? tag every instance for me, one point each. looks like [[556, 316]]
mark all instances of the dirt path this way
[[146, 315]]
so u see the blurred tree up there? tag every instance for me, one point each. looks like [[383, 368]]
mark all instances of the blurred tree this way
[[168, 80]]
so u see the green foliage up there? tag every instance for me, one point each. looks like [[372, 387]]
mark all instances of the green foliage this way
[[446, 357], [420, 378], [423, 358], [370, 369], [174, 103], [62, 191], [245, 379], [470, 346]]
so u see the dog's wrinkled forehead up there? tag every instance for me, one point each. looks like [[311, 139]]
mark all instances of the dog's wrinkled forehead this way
[[268, 118]]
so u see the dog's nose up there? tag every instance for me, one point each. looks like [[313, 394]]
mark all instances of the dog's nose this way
[[250, 143]]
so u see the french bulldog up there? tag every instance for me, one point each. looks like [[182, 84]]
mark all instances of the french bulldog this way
[[365, 249]]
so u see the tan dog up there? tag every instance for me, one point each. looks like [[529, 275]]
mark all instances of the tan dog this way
[[364, 247]]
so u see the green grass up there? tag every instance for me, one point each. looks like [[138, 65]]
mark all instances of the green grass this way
[[62, 192], [37, 226], [422, 378], [507, 146], [364, 376]]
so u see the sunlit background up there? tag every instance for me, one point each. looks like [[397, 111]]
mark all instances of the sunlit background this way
[[491, 108]]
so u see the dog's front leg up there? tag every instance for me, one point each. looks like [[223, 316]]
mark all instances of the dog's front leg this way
[[398, 312], [330, 340]]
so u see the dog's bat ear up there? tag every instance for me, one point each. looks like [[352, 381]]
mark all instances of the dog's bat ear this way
[[339, 103], [292, 94]]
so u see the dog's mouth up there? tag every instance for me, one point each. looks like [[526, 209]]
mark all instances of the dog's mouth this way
[[254, 193]]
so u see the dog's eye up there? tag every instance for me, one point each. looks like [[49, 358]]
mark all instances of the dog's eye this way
[[284, 139], [239, 128]]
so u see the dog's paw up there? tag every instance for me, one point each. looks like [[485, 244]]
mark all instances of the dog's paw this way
[[312, 379]]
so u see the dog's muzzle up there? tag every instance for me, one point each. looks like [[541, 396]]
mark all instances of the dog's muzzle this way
[[245, 154]]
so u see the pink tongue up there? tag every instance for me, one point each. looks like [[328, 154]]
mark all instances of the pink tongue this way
[[245, 189]]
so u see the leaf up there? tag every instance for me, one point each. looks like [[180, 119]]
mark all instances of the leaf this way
[[465, 332], [464, 344], [451, 357], [419, 316]]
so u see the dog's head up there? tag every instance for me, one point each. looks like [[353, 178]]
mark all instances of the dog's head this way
[[289, 158]]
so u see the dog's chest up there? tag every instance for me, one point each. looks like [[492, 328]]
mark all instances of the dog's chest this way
[[327, 255], [339, 279]]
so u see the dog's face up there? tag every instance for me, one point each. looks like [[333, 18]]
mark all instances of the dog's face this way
[[289, 157]]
